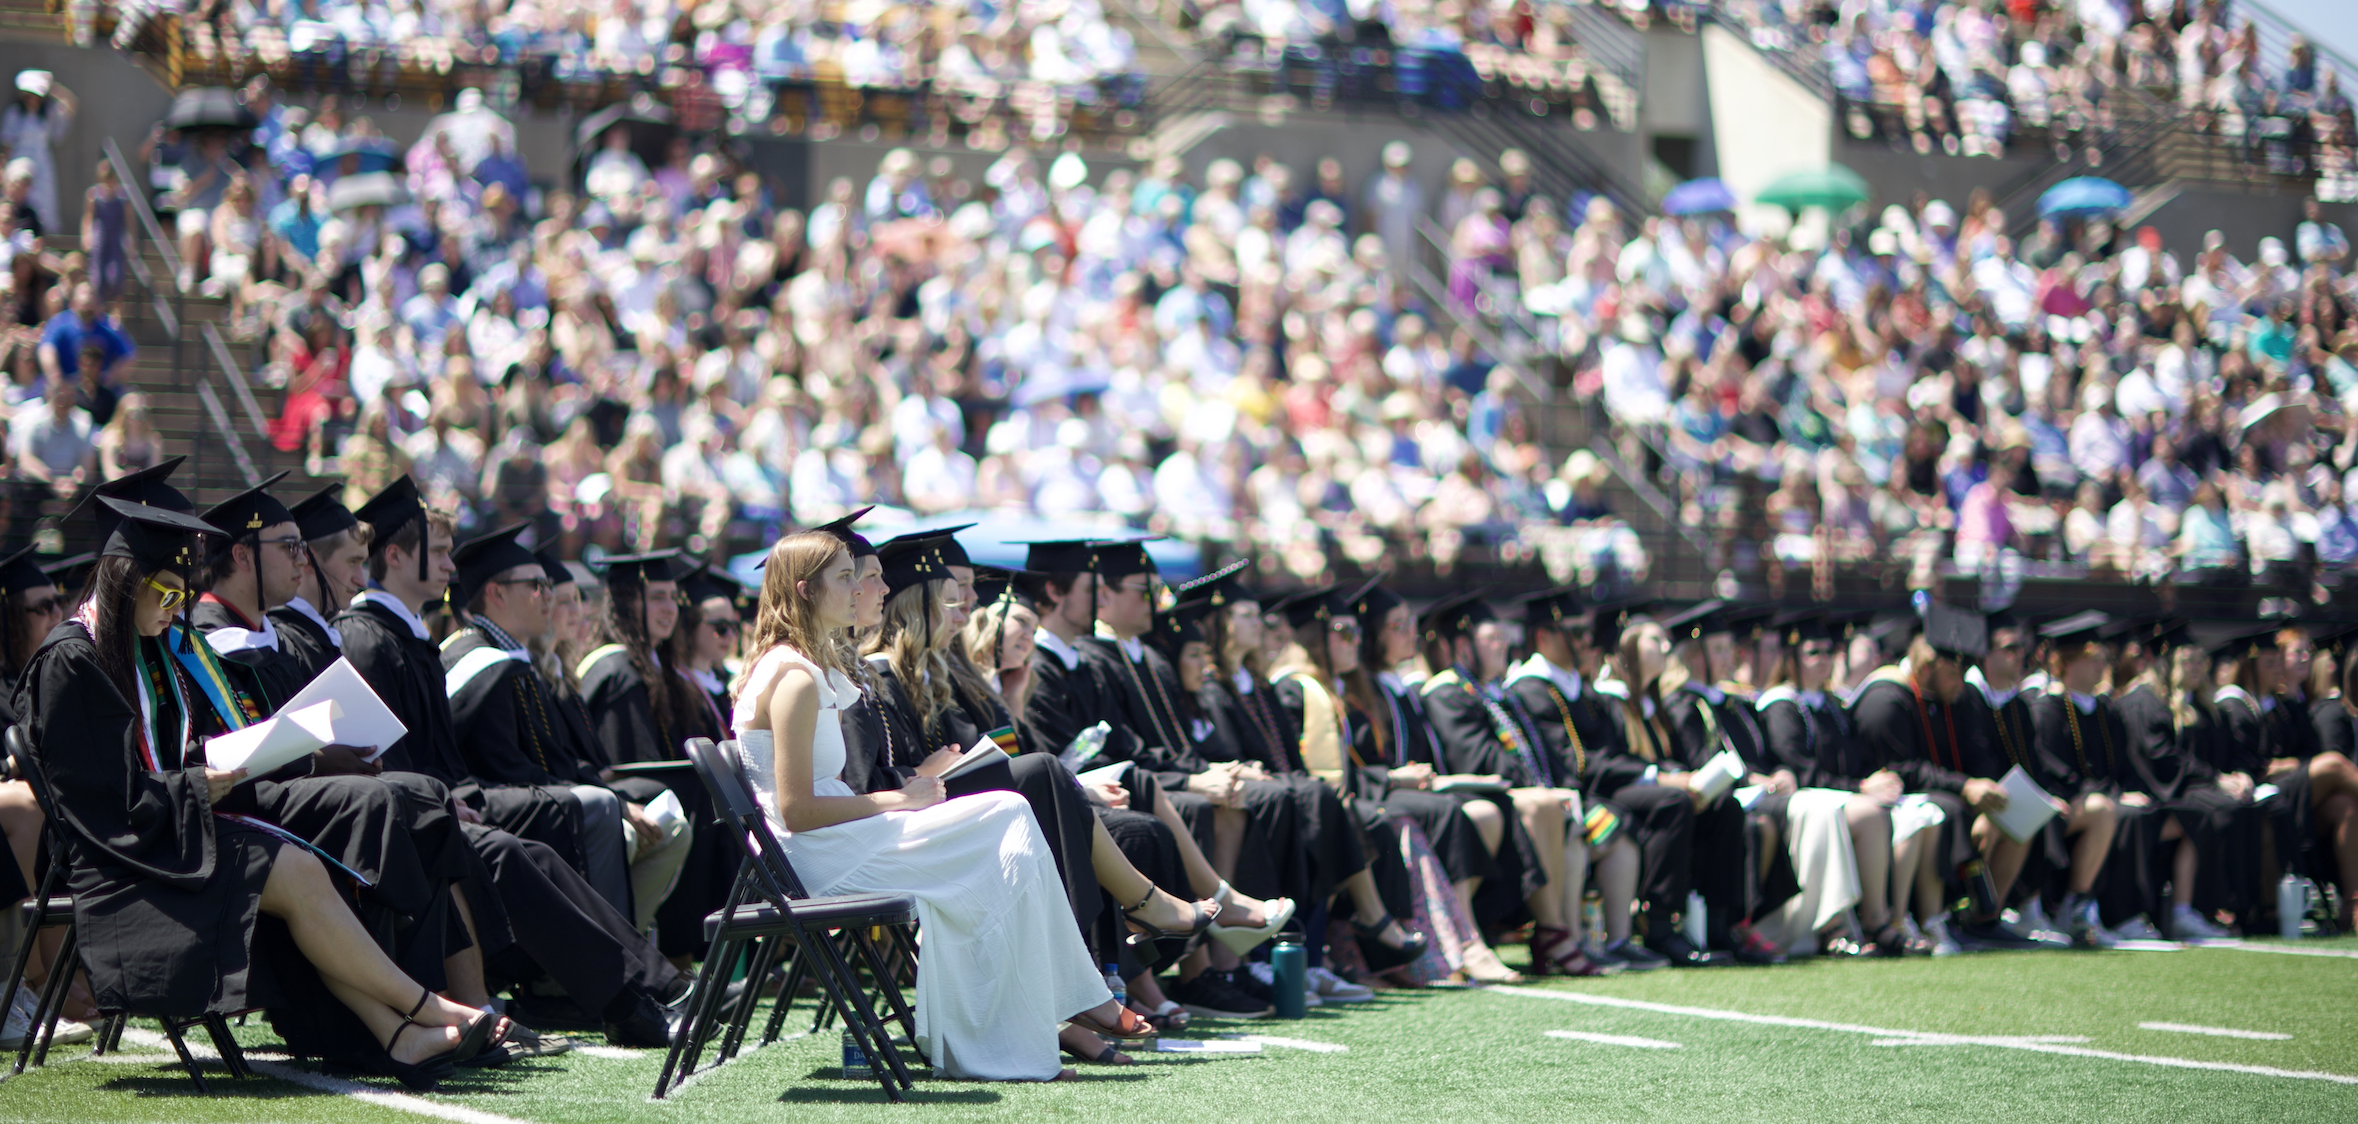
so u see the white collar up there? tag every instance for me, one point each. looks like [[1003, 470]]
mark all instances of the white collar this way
[[299, 605], [2086, 703], [1056, 646], [1134, 649], [231, 638], [392, 604], [1711, 694], [1244, 681], [1391, 681], [1995, 697], [705, 679], [1541, 667]]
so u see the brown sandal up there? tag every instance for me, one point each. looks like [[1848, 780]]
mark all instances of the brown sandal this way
[[1133, 1026]]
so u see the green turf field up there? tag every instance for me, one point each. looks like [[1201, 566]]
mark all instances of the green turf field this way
[[1997, 1037]]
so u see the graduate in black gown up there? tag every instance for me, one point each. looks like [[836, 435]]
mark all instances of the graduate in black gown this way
[[2325, 839], [2214, 833], [534, 779], [1996, 709], [187, 903], [1915, 739], [30, 606], [1319, 684], [644, 709], [531, 912], [337, 569], [1553, 686], [1486, 733], [711, 618], [256, 566], [2079, 746]]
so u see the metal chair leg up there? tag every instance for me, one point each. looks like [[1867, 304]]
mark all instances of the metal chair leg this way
[[187, 1060], [787, 992], [680, 1060], [765, 954], [836, 977], [61, 981], [885, 981]]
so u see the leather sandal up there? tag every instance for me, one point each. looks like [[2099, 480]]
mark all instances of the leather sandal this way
[[1382, 957]]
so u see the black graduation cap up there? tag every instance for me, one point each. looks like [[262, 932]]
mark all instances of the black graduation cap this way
[[1372, 602], [1555, 608], [2003, 618], [1455, 615], [953, 551], [1324, 603], [1176, 628], [993, 584], [1120, 558], [912, 560], [559, 573], [2235, 640], [155, 538], [2163, 633], [1696, 621], [1955, 632], [395, 504], [639, 569], [709, 580], [146, 486], [244, 515], [1218, 589], [1057, 556], [21, 571], [1802, 626], [2079, 628], [322, 513], [1605, 619], [842, 529], [1748, 621], [485, 557], [68, 572]]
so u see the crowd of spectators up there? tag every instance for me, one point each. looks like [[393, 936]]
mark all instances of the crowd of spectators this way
[[745, 58], [667, 354], [1970, 76], [1922, 386]]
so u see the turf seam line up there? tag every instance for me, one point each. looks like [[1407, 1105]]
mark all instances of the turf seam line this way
[[403, 1102], [2217, 1031], [1314, 1047], [1883, 1032]]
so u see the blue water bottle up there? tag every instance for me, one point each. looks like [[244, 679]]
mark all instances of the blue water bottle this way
[[1289, 972]]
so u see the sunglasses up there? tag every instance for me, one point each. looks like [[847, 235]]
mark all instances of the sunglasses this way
[[721, 627], [172, 598], [540, 587]]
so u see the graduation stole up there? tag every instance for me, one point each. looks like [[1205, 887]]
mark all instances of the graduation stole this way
[[195, 657], [2071, 718], [2008, 737], [1502, 724], [1564, 711], [1323, 739]]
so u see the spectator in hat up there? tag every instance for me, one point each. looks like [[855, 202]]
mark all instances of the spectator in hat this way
[[38, 119]]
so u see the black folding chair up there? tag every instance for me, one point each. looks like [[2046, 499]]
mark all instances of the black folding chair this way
[[51, 907], [769, 907]]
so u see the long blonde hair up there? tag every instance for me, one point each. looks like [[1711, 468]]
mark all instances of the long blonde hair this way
[[912, 644], [1648, 733], [787, 615]]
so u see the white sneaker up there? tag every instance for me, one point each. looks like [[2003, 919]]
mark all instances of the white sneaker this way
[[2138, 929], [1943, 944], [19, 1022], [2037, 927], [2193, 928], [2088, 931], [1267, 975], [1335, 989]]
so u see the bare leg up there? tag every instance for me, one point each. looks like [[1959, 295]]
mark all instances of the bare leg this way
[[20, 820], [1242, 909], [1870, 841], [1228, 826], [2337, 821], [2005, 856], [354, 968], [1617, 879], [1929, 883], [1542, 813], [2093, 821], [463, 970], [1367, 907], [1127, 885], [2183, 865], [1575, 880]]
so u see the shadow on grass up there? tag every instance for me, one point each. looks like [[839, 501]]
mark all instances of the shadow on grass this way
[[175, 1083]]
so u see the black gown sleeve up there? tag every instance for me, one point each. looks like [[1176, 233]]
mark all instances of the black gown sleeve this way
[[1888, 729], [2156, 766], [1469, 742], [1790, 739], [2330, 725], [2241, 741]]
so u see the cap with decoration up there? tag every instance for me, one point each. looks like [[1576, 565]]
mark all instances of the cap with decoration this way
[[1555, 608], [1371, 602], [1218, 589], [1455, 616], [153, 537], [912, 560], [1955, 632], [1321, 605]]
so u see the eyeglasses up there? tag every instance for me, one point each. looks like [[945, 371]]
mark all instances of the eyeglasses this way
[[1345, 627], [46, 606], [172, 597], [722, 626], [293, 545], [540, 587]]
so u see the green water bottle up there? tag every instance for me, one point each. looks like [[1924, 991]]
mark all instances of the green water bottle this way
[[1289, 977]]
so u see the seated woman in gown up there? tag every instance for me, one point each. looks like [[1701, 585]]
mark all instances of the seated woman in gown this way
[[1003, 964]]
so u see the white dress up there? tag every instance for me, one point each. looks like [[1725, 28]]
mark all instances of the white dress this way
[[1002, 963]]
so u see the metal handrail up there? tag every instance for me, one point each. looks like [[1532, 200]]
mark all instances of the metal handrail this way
[[232, 371], [1645, 490], [2276, 30], [155, 233], [1609, 43], [228, 431]]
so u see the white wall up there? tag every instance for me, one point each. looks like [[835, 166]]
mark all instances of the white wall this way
[[1763, 124]]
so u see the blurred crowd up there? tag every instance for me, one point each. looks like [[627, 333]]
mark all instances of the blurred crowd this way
[[1923, 385], [666, 351]]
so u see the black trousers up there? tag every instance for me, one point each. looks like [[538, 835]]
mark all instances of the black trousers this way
[[1661, 822], [1271, 861], [565, 929]]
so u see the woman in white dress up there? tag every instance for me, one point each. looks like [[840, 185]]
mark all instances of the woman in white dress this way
[[1002, 963]]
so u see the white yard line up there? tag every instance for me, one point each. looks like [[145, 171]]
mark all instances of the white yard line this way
[[1290, 1043], [400, 1102], [611, 1053], [2285, 949], [2217, 1031], [1615, 1040], [2031, 1044]]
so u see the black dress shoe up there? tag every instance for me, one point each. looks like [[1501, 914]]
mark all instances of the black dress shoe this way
[[649, 1027], [1682, 953]]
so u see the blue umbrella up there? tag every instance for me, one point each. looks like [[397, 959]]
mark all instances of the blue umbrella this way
[[2083, 196], [1699, 197]]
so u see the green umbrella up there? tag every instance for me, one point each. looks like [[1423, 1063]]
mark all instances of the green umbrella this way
[[1833, 187]]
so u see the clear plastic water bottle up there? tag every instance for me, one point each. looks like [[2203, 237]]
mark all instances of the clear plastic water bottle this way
[[1697, 925], [856, 1065], [1592, 923], [1289, 979], [2292, 901], [1116, 984]]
